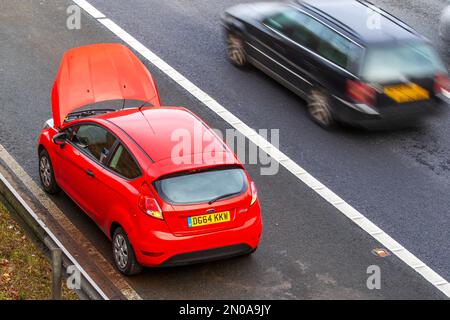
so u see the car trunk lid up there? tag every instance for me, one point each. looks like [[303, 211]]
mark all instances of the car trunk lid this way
[[189, 206], [401, 74]]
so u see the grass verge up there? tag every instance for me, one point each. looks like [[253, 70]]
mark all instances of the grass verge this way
[[25, 273]]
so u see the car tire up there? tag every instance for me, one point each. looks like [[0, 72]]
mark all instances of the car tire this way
[[235, 50], [46, 173], [123, 254], [319, 109]]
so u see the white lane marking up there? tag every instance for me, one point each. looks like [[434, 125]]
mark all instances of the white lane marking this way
[[387, 241], [89, 9], [67, 225]]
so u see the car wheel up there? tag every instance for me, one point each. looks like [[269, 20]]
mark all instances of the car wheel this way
[[235, 50], [46, 173], [124, 257], [319, 109]]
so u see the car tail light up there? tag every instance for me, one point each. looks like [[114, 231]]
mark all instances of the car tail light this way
[[361, 92], [254, 193], [148, 204], [442, 84]]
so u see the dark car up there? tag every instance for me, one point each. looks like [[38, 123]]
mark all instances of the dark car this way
[[351, 61]]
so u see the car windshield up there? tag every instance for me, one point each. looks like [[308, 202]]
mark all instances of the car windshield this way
[[200, 187], [414, 60]]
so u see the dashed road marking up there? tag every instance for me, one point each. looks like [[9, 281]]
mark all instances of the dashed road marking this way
[[327, 194]]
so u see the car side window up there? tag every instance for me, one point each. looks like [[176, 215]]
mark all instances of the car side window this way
[[281, 22], [297, 26], [123, 163], [339, 49], [95, 140], [316, 36]]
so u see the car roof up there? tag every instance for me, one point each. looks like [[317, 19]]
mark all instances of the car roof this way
[[160, 130], [352, 17]]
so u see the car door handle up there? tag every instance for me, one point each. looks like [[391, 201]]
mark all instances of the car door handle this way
[[90, 173]]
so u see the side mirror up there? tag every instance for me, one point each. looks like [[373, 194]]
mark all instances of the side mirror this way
[[60, 139]]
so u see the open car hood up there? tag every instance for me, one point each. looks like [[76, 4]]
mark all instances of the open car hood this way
[[97, 73]]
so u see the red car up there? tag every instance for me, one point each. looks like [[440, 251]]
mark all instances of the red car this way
[[159, 207]]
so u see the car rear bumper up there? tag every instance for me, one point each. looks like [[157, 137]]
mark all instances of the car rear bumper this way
[[208, 255], [164, 249], [390, 116]]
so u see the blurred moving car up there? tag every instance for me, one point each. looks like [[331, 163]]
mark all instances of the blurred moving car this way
[[159, 208], [351, 61]]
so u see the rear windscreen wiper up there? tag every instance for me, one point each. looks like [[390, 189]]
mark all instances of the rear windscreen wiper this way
[[223, 197]]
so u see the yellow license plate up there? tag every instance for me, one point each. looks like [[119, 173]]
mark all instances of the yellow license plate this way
[[207, 219], [407, 92]]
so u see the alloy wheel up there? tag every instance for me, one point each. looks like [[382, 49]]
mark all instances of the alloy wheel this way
[[236, 51], [121, 251], [319, 109], [45, 172]]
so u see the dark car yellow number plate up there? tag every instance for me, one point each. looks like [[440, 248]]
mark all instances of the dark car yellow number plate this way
[[208, 219], [407, 93]]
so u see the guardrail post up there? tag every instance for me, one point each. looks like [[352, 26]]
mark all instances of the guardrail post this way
[[56, 274], [57, 266]]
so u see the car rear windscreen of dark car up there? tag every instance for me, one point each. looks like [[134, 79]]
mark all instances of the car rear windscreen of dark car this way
[[393, 63], [203, 186]]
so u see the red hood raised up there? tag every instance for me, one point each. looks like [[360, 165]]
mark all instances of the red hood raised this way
[[97, 73]]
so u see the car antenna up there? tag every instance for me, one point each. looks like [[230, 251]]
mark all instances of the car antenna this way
[[123, 104]]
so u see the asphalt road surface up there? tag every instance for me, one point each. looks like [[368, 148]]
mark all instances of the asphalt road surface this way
[[399, 180]]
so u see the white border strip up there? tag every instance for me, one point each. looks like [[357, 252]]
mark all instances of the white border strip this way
[[53, 237], [343, 207]]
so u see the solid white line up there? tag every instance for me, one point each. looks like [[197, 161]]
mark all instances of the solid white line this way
[[53, 237], [343, 207], [89, 9]]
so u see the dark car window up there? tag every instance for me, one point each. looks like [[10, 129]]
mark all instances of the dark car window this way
[[314, 35], [199, 187], [339, 50], [123, 163], [297, 26], [95, 140]]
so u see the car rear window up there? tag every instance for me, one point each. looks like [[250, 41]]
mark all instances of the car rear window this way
[[203, 186], [389, 64]]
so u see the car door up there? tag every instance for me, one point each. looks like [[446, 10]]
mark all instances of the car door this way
[[280, 53], [267, 46], [121, 183], [89, 146], [302, 49]]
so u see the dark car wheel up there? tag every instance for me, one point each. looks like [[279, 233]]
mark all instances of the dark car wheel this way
[[124, 257], [235, 50], [319, 109], [46, 173]]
